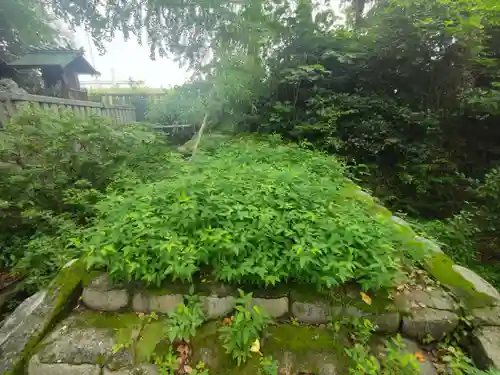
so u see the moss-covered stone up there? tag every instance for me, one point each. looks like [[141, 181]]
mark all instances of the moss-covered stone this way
[[306, 349], [440, 266], [105, 320], [27, 325]]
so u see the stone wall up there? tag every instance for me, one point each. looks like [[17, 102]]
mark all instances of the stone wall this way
[[432, 304], [420, 310]]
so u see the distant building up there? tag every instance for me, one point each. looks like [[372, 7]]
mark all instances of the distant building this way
[[60, 67], [113, 83]]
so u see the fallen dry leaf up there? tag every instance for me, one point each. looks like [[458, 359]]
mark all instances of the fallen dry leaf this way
[[366, 298], [255, 347], [228, 321], [188, 369], [420, 357]]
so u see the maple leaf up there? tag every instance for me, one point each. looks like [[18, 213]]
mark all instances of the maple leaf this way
[[366, 298]]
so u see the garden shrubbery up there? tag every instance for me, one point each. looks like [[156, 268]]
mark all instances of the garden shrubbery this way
[[243, 211], [53, 169], [248, 212]]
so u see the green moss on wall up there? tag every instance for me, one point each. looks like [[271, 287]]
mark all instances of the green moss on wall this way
[[440, 266]]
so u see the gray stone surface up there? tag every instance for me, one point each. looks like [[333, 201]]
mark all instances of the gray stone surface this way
[[480, 284], [25, 326], [275, 307], [327, 369], [429, 244], [311, 312], [35, 367], [435, 299], [75, 345], [103, 282], [143, 302], [217, 307], [136, 370], [426, 367], [486, 316], [400, 221], [387, 322], [485, 347], [423, 322], [105, 300]]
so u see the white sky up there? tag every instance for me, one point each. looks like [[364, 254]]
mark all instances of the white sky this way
[[129, 59]]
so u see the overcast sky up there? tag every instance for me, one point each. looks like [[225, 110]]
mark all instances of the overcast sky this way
[[129, 59]]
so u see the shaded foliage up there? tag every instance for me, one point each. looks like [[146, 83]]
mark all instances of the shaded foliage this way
[[250, 212], [54, 168]]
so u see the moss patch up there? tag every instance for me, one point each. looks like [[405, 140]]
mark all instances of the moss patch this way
[[151, 335], [440, 266], [106, 320], [62, 294], [307, 347]]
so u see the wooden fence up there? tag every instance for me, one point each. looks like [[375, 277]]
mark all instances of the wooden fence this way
[[113, 98], [140, 100], [9, 103]]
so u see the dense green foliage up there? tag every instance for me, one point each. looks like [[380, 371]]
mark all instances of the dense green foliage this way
[[53, 168], [251, 212], [406, 92]]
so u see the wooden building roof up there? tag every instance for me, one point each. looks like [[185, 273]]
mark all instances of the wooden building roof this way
[[66, 58]]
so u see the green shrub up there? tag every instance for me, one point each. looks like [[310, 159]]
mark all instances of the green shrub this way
[[54, 168], [241, 334], [251, 212]]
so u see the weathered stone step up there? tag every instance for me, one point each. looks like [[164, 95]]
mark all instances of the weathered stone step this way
[[86, 344]]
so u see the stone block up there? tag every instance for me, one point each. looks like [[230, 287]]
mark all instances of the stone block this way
[[26, 325], [430, 245], [105, 300], [217, 307], [386, 322], [103, 282], [435, 299], [145, 369], [75, 345], [274, 307], [423, 322], [37, 368], [311, 312], [143, 302], [479, 284], [484, 347], [486, 316]]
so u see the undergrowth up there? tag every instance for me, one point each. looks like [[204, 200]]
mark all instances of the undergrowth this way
[[241, 335], [253, 212]]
